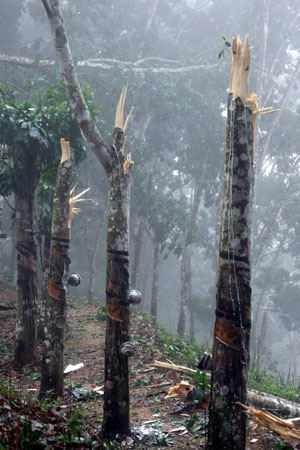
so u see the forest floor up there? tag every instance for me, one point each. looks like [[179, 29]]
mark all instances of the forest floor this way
[[74, 421]]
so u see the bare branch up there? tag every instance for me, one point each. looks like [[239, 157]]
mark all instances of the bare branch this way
[[76, 99], [107, 65]]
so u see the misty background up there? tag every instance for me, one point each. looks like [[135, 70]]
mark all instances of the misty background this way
[[173, 56]]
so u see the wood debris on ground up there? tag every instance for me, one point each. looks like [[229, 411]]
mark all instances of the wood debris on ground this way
[[286, 428]]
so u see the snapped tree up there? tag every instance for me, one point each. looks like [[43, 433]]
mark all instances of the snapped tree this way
[[29, 132], [56, 300], [117, 169], [227, 421]]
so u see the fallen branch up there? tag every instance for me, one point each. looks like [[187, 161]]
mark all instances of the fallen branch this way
[[258, 399], [286, 428], [174, 367]]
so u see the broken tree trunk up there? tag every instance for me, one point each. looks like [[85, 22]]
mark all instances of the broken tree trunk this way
[[116, 397], [52, 370], [26, 330], [116, 394], [227, 422]]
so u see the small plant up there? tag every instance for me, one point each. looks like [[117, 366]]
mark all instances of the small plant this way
[[164, 441], [278, 446], [200, 379], [101, 314], [140, 382], [180, 351], [8, 276], [31, 438], [227, 45], [31, 374], [194, 424], [155, 410]]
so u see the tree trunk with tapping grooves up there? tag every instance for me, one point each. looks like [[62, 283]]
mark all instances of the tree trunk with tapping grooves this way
[[155, 277], [52, 372], [227, 421], [44, 290], [92, 253], [116, 390], [26, 330], [116, 394], [137, 255]]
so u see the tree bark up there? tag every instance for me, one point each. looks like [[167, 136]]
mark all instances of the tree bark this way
[[155, 277], [185, 278], [52, 369], [12, 265], [1, 224], [137, 255], [44, 293], [116, 394], [185, 267], [92, 253], [227, 422], [26, 330]]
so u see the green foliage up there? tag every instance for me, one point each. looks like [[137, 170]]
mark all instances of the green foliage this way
[[280, 446], [180, 350], [200, 379], [17, 431], [101, 314], [8, 276], [140, 382], [227, 45], [31, 438], [31, 374], [32, 132], [274, 385]]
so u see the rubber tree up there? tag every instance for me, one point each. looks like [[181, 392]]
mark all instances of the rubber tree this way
[[117, 169], [227, 421], [30, 158], [52, 369], [26, 329]]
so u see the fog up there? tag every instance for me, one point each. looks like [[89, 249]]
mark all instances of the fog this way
[[174, 57]]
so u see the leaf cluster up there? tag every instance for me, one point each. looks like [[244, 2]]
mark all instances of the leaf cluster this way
[[30, 134]]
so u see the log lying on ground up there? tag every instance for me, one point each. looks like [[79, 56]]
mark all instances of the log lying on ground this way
[[257, 399], [272, 403]]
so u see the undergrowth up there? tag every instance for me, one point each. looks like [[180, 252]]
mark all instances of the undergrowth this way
[[27, 423], [274, 385], [184, 351]]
